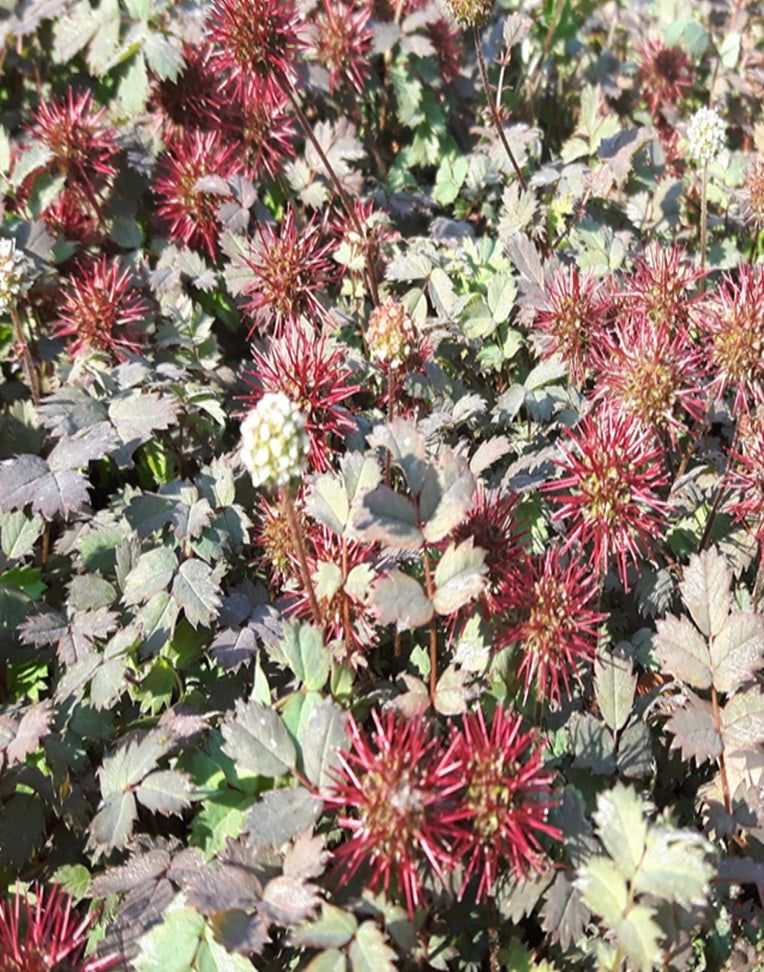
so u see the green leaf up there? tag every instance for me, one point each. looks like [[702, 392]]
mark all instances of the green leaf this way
[[321, 738], [151, 574], [442, 293], [389, 518], [407, 450], [133, 89], [335, 928], [19, 534], [706, 590], [737, 651], [446, 496], [603, 889], [106, 38], [449, 179], [332, 960], [163, 56], [156, 621], [197, 592], [675, 866], [213, 957], [615, 683], [459, 576], [130, 763], [400, 600], [369, 951], [683, 652], [328, 502], [501, 292], [257, 740], [451, 695], [638, 936], [622, 827], [171, 945], [304, 649], [165, 791]]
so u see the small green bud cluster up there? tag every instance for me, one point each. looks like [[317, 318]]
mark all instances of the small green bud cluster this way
[[273, 441], [391, 335], [470, 13], [705, 135], [13, 270]]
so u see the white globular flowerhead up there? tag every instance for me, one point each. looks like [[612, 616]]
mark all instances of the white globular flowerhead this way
[[13, 271], [706, 135], [274, 441]]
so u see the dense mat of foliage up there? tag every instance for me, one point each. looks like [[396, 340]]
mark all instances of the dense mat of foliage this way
[[381, 485]]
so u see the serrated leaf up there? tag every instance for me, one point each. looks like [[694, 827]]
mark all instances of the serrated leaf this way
[[306, 654], [33, 725], [742, 720], [622, 828], [214, 957], [675, 867], [638, 936], [287, 900], [615, 683], [407, 450], [459, 576], [164, 57], [565, 914], [19, 534], [388, 517], [197, 592], [112, 825], [603, 889], [130, 763], [156, 621], [332, 960], [334, 928], [165, 791], [683, 652], [706, 590], [694, 730], [322, 737], [737, 651], [369, 951], [27, 479], [446, 496], [151, 574], [282, 814], [257, 740], [400, 600], [133, 89]]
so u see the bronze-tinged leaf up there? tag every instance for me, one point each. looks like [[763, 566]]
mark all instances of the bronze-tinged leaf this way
[[400, 600], [564, 915], [743, 720], [694, 730], [737, 651], [33, 725]]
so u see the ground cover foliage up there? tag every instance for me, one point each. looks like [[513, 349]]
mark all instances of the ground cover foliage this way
[[381, 485]]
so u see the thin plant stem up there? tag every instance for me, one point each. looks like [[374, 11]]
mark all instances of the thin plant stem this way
[[30, 371], [722, 764], [703, 225], [493, 109], [294, 530], [720, 492], [493, 937], [433, 626], [371, 274]]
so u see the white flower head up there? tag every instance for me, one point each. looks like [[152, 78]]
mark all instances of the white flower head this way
[[274, 441], [14, 268], [706, 135]]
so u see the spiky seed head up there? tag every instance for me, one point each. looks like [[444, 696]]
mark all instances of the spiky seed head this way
[[391, 334]]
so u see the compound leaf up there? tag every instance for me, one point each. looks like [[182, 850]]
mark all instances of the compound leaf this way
[[165, 791], [151, 574], [112, 825], [638, 936], [675, 866]]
